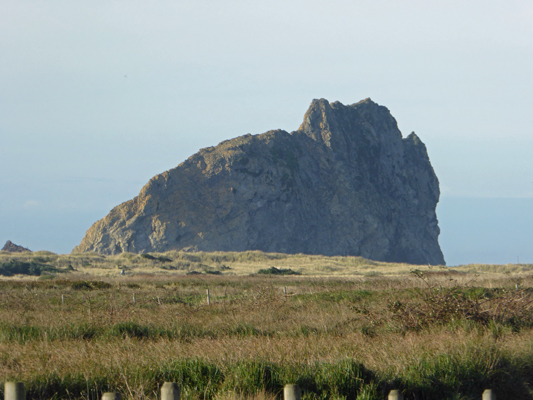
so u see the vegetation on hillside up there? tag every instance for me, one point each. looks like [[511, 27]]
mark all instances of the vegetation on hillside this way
[[237, 263], [15, 267]]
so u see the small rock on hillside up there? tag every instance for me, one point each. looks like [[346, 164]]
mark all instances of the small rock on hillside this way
[[14, 248]]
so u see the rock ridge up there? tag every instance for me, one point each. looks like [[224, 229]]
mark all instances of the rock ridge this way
[[344, 183], [14, 248]]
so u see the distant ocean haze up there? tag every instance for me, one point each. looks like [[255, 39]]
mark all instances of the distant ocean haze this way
[[486, 230]]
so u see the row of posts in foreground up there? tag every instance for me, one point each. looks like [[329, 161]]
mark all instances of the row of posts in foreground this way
[[171, 391]]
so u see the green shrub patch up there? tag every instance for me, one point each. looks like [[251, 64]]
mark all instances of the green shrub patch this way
[[14, 267], [278, 271]]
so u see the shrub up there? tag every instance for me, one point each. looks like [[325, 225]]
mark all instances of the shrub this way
[[213, 272], [14, 267], [81, 285], [133, 285], [90, 285], [438, 305], [278, 271]]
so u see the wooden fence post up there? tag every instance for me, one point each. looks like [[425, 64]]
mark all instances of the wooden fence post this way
[[489, 395], [170, 391], [111, 396], [395, 395], [14, 391], [292, 392], [208, 298]]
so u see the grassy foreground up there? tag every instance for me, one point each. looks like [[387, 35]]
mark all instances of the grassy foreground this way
[[345, 328]]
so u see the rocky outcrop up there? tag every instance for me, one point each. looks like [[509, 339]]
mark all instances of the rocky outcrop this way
[[14, 248], [344, 183]]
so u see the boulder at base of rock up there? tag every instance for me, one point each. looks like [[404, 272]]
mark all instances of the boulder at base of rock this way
[[345, 183], [14, 248]]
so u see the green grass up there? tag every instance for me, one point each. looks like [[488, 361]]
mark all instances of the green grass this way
[[436, 377]]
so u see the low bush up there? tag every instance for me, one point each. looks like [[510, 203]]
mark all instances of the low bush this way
[[14, 267], [437, 305], [213, 272], [90, 285], [278, 271]]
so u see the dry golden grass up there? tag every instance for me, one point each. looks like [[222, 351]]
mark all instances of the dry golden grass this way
[[387, 353], [249, 262], [93, 322]]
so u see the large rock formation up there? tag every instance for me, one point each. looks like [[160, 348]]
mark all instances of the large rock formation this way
[[344, 183], [14, 248]]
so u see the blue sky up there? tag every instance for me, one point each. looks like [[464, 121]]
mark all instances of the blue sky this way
[[98, 97]]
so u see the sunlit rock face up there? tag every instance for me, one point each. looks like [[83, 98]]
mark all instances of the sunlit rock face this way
[[344, 183]]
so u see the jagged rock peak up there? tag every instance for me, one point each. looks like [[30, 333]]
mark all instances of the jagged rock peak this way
[[14, 248], [329, 122], [344, 183]]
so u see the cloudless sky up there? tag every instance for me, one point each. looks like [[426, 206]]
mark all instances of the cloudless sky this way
[[97, 97]]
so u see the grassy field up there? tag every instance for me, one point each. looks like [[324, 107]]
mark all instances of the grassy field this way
[[346, 328]]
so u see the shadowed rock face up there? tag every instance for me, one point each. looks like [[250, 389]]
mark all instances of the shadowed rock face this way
[[14, 248], [344, 183]]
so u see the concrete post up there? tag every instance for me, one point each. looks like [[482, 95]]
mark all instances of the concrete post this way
[[14, 391], [489, 395], [292, 392], [208, 298], [111, 396], [395, 395], [170, 391]]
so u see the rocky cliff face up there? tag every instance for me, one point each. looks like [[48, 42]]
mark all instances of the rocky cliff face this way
[[344, 183], [14, 248]]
